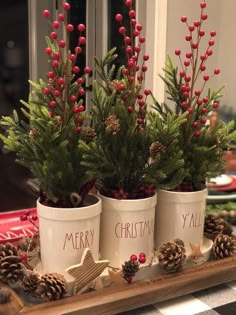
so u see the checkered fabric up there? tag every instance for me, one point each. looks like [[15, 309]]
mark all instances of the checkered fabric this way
[[219, 300]]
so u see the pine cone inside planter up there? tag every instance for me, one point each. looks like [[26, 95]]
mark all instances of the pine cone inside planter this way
[[30, 281], [129, 268], [214, 225], [224, 246], [171, 256], [11, 268], [52, 286]]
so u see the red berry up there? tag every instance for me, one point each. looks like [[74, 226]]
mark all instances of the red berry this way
[[46, 91], [131, 13], [195, 124], [133, 257], [144, 68], [215, 105], [127, 40], [203, 57], [211, 42], [82, 40], [194, 45], [202, 67], [139, 121], [177, 52], [213, 33], [51, 75], [133, 22], [191, 28], [24, 257], [78, 50], [73, 98], [182, 74], [53, 104], [129, 50], [51, 113], [79, 119], [142, 39], [72, 57], [129, 279], [142, 259], [57, 55], [146, 57], [197, 23], [66, 6], [122, 30], [61, 17], [55, 63], [81, 27], [206, 77], [201, 33], [69, 27], [205, 100], [216, 71], [53, 35], [204, 16], [81, 92], [80, 81], [46, 13], [203, 5], [55, 24], [197, 133], [137, 49], [87, 70], [141, 102], [131, 63], [130, 109], [203, 121], [147, 91], [184, 19], [57, 93], [48, 51], [128, 3], [122, 87], [125, 71], [199, 102], [186, 94], [75, 69], [189, 55], [190, 110], [188, 38], [23, 217], [204, 110], [119, 17], [197, 92], [78, 129], [80, 108], [139, 27], [142, 254], [136, 33], [184, 104], [186, 63], [187, 78], [34, 217]]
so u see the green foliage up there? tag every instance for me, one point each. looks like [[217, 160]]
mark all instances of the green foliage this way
[[203, 144], [120, 156]]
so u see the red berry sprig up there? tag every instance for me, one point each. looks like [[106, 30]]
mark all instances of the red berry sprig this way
[[141, 259], [30, 218]]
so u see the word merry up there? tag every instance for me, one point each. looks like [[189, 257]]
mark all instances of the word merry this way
[[193, 220], [134, 230], [79, 240]]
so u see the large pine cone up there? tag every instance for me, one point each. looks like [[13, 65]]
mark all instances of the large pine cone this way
[[11, 268], [214, 225], [130, 268], [224, 246], [7, 250], [171, 256], [30, 281], [52, 286]]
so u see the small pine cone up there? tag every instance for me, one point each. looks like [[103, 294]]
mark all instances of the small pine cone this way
[[130, 268], [214, 225], [224, 246], [179, 242], [27, 244], [30, 281], [171, 256], [155, 148], [52, 286], [114, 85], [11, 269], [7, 250], [112, 124]]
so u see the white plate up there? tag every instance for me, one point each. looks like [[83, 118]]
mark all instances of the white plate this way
[[221, 197], [221, 180]]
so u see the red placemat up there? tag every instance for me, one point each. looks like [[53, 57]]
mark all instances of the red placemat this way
[[12, 228]]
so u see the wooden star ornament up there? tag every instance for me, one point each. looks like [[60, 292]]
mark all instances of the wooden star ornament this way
[[116, 276], [87, 271]]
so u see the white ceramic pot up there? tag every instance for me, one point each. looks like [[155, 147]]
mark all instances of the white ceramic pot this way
[[180, 215], [127, 227], [66, 232]]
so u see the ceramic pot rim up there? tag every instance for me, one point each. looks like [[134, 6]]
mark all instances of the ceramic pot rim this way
[[191, 196]]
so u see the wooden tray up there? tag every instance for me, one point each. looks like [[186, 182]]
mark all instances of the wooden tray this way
[[123, 297]]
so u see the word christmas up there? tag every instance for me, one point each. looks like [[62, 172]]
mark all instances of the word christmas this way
[[79, 240], [193, 220], [134, 229]]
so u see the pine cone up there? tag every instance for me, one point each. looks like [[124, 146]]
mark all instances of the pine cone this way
[[214, 225], [130, 268], [224, 246], [52, 286], [155, 148], [171, 256], [7, 249], [11, 268], [30, 281]]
